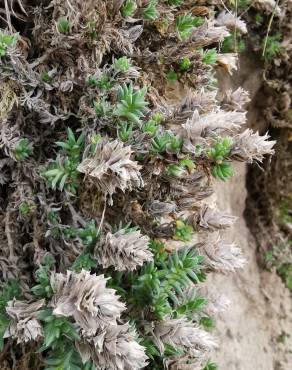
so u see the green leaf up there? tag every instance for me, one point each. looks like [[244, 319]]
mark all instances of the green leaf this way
[[185, 24], [9, 290], [210, 56], [4, 323], [84, 262], [129, 7], [63, 25], [6, 42], [150, 12], [131, 104], [23, 149], [122, 64]]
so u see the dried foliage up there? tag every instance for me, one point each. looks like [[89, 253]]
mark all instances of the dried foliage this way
[[111, 138]]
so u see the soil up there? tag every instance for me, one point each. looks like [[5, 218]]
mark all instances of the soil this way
[[256, 332]]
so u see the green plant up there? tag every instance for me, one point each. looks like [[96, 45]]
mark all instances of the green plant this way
[[125, 131], [6, 42], [233, 43], [70, 233], [157, 117], [166, 142], [211, 366], [155, 355], [159, 143], [179, 170], [131, 104], [9, 290], [176, 2], [240, 4], [187, 163], [63, 174], [223, 171], [185, 24], [67, 358], [183, 231], [218, 154], [207, 323], [122, 64], [259, 19], [45, 77], [129, 7], [92, 81], [103, 83], [89, 234], [150, 127], [284, 212], [285, 271], [185, 64], [272, 46], [55, 328], [175, 170], [161, 283], [44, 289], [210, 56], [85, 262], [23, 149], [26, 208], [280, 259], [175, 144], [63, 25], [92, 29], [171, 76], [190, 306], [72, 146], [150, 12], [102, 108], [59, 338]]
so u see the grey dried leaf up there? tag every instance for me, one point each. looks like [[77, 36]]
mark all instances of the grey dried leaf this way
[[122, 40], [183, 363], [221, 256], [8, 99], [87, 299], [250, 146], [183, 335], [202, 101], [4, 174], [236, 100], [231, 22], [113, 348], [123, 250], [9, 137], [158, 208], [218, 121], [111, 168], [267, 5], [213, 219], [228, 61], [209, 33], [217, 303], [24, 325]]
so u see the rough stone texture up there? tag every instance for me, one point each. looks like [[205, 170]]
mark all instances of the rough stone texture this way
[[260, 313]]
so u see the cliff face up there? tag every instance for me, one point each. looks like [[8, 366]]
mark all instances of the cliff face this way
[[254, 332]]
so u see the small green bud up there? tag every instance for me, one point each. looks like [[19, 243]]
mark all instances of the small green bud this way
[[63, 25]]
